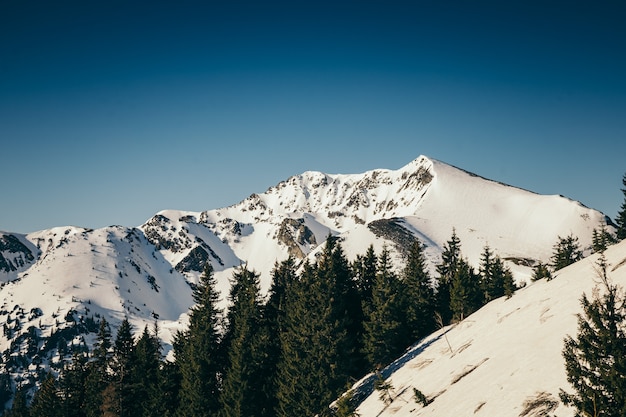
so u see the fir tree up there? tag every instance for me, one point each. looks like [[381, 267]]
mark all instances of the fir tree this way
[[541, 271], [146, 377], [274, 316], [98, 370], [465, 293], [495, 278], [198, 353], [566, 252], [20, 405], [73, 388], [122, 391], [381, 326], [239, 395], [601, 239], [621, 215], [447, 269], [46, 402], [364, 272], [417, 296], [595, 360]]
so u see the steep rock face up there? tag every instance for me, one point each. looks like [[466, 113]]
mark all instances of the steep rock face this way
[[15, 255]]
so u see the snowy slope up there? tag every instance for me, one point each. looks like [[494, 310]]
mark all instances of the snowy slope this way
[[500, 360], [59, 281]]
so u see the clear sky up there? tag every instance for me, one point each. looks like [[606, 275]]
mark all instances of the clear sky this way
[[111, 111]]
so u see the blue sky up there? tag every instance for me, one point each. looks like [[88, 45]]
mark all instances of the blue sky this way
[[112, 111]]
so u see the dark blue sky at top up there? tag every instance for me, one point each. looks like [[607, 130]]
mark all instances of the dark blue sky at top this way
[[112, 111]]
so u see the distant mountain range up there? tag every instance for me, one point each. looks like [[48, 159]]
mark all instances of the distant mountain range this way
[[62, 278]]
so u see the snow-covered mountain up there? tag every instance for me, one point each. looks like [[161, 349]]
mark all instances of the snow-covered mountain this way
[[504, 360], [56, 282]]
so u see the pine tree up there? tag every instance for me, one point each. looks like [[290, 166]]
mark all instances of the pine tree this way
[[46, 402], [381, 339], [98, 370], [239, 396], [198, 353], [284, 277], [124, 397], [417, 296], [566, 252], [465, 293], [364, 272], [146, 377], [621, 215], [450, 259], [541, 271], [595, 360], [73, 387], [20, 405], [602, 239], [495, 278]]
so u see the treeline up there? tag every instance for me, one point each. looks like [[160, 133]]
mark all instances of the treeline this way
[[321, 327]]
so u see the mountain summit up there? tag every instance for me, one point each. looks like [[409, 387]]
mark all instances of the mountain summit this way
[[56, 283]]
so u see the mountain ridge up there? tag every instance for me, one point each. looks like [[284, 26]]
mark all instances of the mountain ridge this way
[[146, 273]]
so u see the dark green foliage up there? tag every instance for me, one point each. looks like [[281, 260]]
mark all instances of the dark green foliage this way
[[345, 406], [73, 386], [319, 343], [450, 259], [98, 375], [465, 292], [275, 312], [121, 392], [595, 360], [541, 271], [620, 221], [420, 398], [239, 396], [382, 327], [145, 377], [46, 402], [602, 239], [364, 272], [198, 352], [495, 278], [566, 252], [20, 406], [417, 297]]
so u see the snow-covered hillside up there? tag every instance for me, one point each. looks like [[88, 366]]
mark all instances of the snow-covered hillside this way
[[504, 360], [57, 282]]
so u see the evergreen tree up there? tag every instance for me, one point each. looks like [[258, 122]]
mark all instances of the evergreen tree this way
[[364, 272], [20, 405], [145, 376], [595, 360], [122, 388], [447, 269], [495, 278], [602, 239], [381, 341], [541, 271], [98, 377], [621, 215], [465, 292], [73, 388], [417, 296], [198, 353], [566, 252], [318, 350], [240, 396], [46, 402], [284, 277]]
